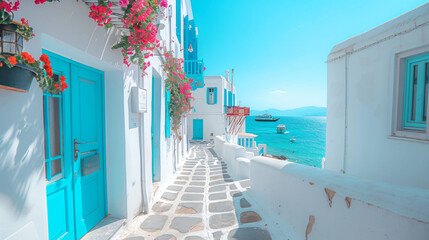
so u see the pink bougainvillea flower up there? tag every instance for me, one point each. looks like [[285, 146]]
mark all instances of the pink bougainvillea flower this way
[[101, 14], [123, 3], [40, 1], [163, 3]]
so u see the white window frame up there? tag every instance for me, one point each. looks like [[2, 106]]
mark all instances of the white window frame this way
[[397, 129]]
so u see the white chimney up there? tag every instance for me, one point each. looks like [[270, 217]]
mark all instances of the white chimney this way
[[227, 75]]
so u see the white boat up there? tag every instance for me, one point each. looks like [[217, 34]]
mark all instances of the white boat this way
[[292, 140], [266, 118], [281, 128]]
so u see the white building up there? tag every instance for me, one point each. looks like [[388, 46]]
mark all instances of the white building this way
[[209, 117], [47, 191], [372, 130]]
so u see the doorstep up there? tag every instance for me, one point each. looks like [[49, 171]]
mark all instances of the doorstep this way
[[108, 228]]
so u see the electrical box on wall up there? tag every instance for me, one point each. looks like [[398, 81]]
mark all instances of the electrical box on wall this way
[[139, 99]]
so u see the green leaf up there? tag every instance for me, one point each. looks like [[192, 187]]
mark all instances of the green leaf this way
[[108, 25]]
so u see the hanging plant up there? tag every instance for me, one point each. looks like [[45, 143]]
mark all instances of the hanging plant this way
[[180, 90], [6, 10], [140, 19], [25, 30], [40, 69], [101, 13]]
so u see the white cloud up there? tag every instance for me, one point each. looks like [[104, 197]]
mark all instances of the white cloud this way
[[278, 92]]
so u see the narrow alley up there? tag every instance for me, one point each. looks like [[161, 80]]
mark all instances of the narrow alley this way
[[202, 203]]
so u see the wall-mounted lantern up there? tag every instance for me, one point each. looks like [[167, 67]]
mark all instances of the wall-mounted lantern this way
[[11, 42], [190, 49]]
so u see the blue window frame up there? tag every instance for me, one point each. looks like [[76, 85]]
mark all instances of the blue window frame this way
[[251, 143], [167, 113], [53, 125], [229, 98], [212, 96], [416, 92], [247, 142]]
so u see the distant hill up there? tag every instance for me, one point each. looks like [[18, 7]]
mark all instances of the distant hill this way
[[297, 112]]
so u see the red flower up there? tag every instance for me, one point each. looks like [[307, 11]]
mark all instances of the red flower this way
[[27, 57], [12, 60], [44, 58], [62, 79], [49, 73], [63, 86], [57, 86]]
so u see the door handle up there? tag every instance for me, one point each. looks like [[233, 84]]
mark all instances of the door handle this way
[[76, 151]]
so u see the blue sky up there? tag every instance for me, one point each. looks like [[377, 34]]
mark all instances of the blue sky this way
[[278, 48]]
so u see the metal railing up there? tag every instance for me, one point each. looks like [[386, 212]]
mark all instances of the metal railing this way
[[194, 67], [237, 111]]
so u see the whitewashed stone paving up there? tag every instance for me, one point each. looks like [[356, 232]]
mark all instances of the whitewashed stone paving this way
[[203, 202]]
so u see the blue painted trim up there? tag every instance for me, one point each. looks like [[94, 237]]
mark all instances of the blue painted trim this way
[[229, 98], [179, 20], [410, 64], [167, 114]]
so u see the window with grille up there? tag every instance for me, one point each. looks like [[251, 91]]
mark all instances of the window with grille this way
[[53, 125]]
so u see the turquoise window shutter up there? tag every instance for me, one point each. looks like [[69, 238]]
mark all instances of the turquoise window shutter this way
[[416, 92], [233, 99], [229, 98], [215, 95], [178, 20], [167, 114]]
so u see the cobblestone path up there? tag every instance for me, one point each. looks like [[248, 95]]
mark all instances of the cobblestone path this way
[[202, 203]]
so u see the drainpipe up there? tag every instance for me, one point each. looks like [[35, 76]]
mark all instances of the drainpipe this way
[[346, 70], [144, 205]]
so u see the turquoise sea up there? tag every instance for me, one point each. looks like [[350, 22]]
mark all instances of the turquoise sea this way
[[309, 132]]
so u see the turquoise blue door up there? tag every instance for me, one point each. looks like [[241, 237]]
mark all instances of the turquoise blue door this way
[[58, 162], [198, 129], [76, 187], [156, 128], [88, 155]]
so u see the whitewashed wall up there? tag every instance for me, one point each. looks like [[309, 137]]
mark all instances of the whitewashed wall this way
[[65, 28], [296, 195], [361, 103], [237, 158], [314, 203]]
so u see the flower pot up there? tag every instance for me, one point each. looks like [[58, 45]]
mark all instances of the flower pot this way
[[17, 78]]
